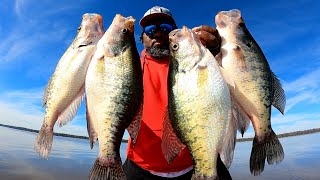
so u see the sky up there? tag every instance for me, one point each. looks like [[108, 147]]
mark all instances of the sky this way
[[35, 34]]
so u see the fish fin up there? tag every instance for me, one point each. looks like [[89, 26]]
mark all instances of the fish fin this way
[[44, 141], [134, 126], [93, 135], [227, 78], [258, 156], [274, 149], [171, 144], [46, 92], [71, 110], [269, 148], [227, 151], [279, 97], [240, 118], [106, 170]]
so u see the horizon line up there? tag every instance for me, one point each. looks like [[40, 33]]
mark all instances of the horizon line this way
[[283, 135]]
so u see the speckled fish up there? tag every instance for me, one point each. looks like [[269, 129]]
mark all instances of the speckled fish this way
[[65, 89], [114, 96], [255, 88], [199, 105]]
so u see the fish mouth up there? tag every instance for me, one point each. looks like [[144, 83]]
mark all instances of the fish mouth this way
[[118, 35], [124, 22], [129, 24], [223, 18], [84, 45], [177, 34]]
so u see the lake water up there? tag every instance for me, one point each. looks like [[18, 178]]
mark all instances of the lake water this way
[[72, 158]]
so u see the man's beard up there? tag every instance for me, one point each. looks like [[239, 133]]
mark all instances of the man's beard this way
[[158, 52]]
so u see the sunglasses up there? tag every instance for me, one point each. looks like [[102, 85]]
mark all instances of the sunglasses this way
[[151, 29]]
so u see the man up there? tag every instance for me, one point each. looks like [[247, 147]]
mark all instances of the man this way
[[145, 159]]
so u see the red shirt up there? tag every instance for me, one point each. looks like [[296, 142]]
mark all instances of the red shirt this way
[[147, 151]]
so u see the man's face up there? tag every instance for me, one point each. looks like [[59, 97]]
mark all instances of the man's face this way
[[159, 39]]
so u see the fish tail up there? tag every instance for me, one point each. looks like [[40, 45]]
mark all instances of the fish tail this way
[[44, 141], [270, 148], [258, 156], [274, 149], [111, 171]]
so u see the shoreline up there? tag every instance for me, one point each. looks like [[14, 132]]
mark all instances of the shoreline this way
[[283, 135]]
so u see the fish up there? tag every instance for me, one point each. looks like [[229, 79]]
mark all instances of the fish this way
[[253, 86], [65, 89], [114, 96], [199, 104]]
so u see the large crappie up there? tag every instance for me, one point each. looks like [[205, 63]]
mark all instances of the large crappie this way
[[114, 94], [65, 89], [199, 105], [253, 86]]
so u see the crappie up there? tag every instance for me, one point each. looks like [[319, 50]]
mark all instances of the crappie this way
[[114, 93], [255, 88], [65, 89], [199, 105]]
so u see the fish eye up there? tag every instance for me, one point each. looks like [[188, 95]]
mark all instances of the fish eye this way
[[175, 46], [241, 24], [124, 31]]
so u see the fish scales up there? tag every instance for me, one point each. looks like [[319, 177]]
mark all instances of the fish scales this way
[[254, 86], [114, 95], [199, 101]]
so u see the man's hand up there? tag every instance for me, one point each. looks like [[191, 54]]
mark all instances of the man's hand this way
[[209, 37]]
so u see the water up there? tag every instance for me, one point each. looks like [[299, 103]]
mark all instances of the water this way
[[301, 161], [72, 158]]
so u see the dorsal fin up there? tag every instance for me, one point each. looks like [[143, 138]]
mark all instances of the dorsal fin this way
[[279, 97]]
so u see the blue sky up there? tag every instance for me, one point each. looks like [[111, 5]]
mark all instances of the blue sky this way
[[35, 34]]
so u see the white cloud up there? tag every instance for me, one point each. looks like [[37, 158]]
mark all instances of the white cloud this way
[[304, 89], [17, 49], [11, 115], [45, 8], [35, 28], [23, 108], [305, 96], [305, 82], [18, 7], [18, 43], [292, 119], [289, 123]]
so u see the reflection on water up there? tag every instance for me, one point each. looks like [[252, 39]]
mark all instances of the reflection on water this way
[[301, 161], [69, 159], [72, 158]]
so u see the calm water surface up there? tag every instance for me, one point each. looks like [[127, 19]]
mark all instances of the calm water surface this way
[[72, 158]]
